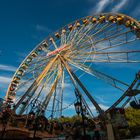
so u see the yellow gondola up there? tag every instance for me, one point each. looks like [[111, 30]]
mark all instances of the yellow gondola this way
[[45, 44], [20, 72], [24, 66], [57, 35], [40, 48], [63, 31], [129, 23], [70, 27], [34, 54], [51, 39], [16, 79], [85, 21], [94, 20], [120, 19], [102, 18], [29, 59], [111, 18], [77, 24]]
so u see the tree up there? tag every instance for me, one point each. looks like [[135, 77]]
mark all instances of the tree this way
[[133, 118]]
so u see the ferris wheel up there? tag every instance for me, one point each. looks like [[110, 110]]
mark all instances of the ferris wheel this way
[[52, 74]]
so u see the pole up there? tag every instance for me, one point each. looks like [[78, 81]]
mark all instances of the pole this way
[[83, 117], [35, 128], [110, 132]]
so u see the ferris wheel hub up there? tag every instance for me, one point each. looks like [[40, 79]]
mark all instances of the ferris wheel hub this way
[[58, 50]]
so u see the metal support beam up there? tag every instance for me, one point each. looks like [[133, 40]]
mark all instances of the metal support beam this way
[[126, 92], [74, 77], [35, 84], [53, 87]]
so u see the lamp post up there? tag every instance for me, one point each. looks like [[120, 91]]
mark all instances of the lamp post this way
[[77, 107], [79, 110]]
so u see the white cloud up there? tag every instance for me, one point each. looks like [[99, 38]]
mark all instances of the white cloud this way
[[42, 28], [5, 80], [103, 107], [7, 67], [93, 109], [117, 7], [101, 99], [100, 6]]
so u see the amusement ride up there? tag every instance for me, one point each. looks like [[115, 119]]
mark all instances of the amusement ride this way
[[50, 79]]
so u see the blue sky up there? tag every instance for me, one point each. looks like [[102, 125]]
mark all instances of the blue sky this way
[[24, 23]]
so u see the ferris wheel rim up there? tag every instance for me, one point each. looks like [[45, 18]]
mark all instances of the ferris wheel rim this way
[[37, 47]]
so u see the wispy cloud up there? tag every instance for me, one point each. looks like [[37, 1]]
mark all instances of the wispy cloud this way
[[5, 80], [7, 68], [101, 99], [119, 6], [93, 109], [100, 6], [43, 28]]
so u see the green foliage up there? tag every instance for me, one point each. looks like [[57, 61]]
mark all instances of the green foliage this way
[[68, 119], [133, 118]]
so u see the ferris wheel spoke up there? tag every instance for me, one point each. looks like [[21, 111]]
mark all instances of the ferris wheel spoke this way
[[61, 92], [52, 89], [54, 43], [109, 32], [28, 81], [110, 46], [45, 58], [77, 42], [89, 37], [47, 78], [63, 37], [125, 93], [34, 91], [24, 82], [44, 85], [83, 30], [34, 85], [41, 57], [106, 78], [104, 27], [109, 38], [117, 45], [79, 35], [107, 25], [75, 79], [72, 32], [114, 56], [38, 67], [126, 102], [113, 36]]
